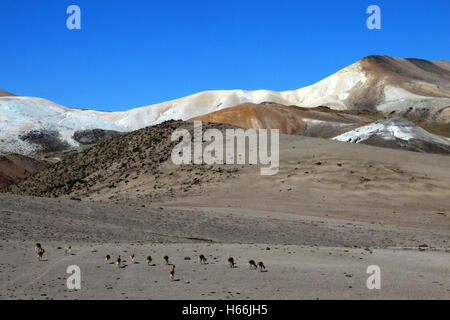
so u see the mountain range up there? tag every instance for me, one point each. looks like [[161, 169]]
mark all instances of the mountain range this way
[[371, 89]]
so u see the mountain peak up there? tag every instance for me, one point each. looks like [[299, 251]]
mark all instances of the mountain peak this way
[[4, 93]]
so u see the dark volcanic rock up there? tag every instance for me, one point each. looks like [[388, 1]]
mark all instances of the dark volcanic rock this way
[[47, 140], [94, 136], [417, 145]]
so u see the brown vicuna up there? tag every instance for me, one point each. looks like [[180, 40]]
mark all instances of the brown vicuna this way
[[166, 259], [231, 262], [107, 258], [172, 273], [202, 259], [260, 265], [118, 261], [68, 249], [37, 246], [252, 264], [40, 253], [149, 260]]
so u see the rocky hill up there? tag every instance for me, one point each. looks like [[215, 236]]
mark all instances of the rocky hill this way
[[139, 155], [15, 167], [397, 133], [313, 122]]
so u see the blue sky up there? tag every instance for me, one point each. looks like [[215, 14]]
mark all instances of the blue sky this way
[[135, 53]]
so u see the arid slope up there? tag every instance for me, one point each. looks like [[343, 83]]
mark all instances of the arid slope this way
[[317, 177], [315, 122], [14, 167]]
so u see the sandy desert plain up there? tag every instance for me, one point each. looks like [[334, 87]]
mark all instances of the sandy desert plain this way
[[332, 210]]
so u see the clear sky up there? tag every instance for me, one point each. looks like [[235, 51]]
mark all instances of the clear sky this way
[[135, 53]]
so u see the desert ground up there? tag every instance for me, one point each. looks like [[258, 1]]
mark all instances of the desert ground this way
[[293, 272], [332, 210]]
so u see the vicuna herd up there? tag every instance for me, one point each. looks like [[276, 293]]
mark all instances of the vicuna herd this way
[[201, 258]]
